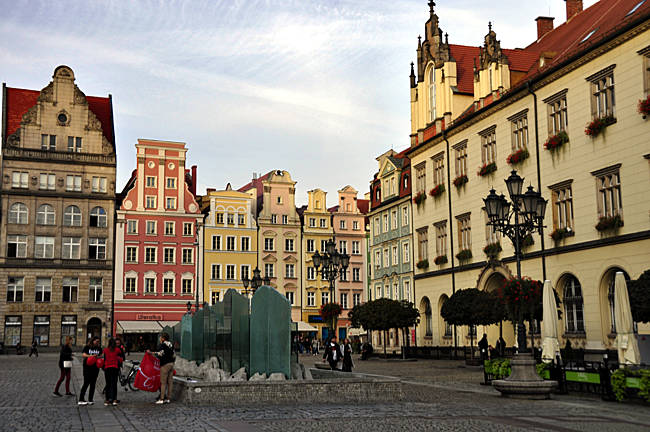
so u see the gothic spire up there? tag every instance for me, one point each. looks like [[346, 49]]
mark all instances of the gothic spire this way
[[431, 5], [412, 76]]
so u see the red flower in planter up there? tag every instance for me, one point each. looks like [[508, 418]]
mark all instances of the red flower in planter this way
[[644, 107], [437, 191], [518, 156], [556, 141], [598, 125]]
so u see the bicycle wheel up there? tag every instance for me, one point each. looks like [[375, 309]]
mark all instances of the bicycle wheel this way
[[131, 380]]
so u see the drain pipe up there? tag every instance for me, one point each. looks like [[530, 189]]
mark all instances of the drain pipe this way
[[451, 237], [539, 175]]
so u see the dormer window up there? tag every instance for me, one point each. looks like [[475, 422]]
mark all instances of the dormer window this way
[[432, 94]]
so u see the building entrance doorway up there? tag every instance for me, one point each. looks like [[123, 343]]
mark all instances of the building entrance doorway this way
[[94, 328]]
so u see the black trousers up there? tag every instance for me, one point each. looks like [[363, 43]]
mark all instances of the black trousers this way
[[333, 364], [90, 378], [111, 383]]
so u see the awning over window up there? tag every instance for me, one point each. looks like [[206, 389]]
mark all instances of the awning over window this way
[[357, 331], [304, 327], [139, 326]]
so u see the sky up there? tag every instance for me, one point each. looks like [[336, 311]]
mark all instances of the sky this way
[[317, 88]]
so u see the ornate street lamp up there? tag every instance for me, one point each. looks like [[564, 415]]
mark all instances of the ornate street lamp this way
[[256, 282], [331, 264]]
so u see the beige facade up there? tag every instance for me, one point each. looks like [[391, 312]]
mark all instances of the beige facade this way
[[58, 195], [586, 179]]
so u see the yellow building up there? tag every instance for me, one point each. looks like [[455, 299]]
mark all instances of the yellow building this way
[[230, 241], [317, 229], [524, 102]]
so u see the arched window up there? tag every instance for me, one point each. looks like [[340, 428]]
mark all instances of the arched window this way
[[432, 94], [45, 215], [72, 216], [611, 295], [573, 305], [406, 181], [428, 324], [18, 213], [98, 217]]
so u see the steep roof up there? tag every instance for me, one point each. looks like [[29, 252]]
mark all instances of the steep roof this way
[[20, 100], [464, 56], [255, 183], [363, 205]]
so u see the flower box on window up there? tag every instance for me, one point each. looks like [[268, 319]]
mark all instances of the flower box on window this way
[[419, 198], [464, 255], [644, 107], [422, 264], [527, 241], [598, 125], [440, 260], [560, 233], [460, 180], [492, 250], [556, 141], [609, 223], [437, 191], [518, 157], [487, 169]]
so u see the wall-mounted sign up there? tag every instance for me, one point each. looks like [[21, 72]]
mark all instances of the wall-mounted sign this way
[[149, 317]]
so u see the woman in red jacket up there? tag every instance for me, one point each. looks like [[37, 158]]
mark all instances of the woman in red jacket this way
[[112, 362]]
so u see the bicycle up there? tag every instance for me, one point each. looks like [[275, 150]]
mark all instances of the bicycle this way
[[129, 378]]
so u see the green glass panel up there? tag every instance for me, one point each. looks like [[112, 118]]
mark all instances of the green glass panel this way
[[197, 336], [186, 337], [270, 333], [633, 383], [236, 316], [584, 377]]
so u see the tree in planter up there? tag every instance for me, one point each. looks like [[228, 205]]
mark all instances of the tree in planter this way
[[407, 316], [639, 292], [330, 313], [472, 307]]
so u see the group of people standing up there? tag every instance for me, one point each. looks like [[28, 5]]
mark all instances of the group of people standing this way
[[334, 353]]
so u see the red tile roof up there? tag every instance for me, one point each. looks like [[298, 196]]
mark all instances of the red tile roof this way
[[256, 183], [20, 100], [363, 205], [464, 56]]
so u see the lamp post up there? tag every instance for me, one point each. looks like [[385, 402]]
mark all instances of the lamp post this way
[[254, 283], [516, 219], [330, 265]]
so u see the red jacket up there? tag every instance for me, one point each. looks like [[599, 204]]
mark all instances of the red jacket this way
[[112, 359]]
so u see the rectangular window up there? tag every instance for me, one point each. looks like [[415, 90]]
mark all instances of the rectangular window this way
[[420, 177], [16, 246], [73, 183], [311, 299], [244, 271], [310, 246], [556, 107], [519, 128], [423, 243], [602, 93], [19, 180], [355, 247], [169, 255], [216, 242], [343, 277], [393, 216], [44, 247], [289, 245], [274, 219], [149, 285], [230, 243], [342, 224], [323, 223], [220, 218], [151, 181], [129, 285], [170, 183], [344, 300], [47, 182], [489, 146], [99, 184], [386, 223], [386, 258], [188, 229], [441, 238], [71, 248], [464, 232], [268, 270], [96, 248], [150, 202], [285, 219], [48, 142], [405, 216], [491, 236], [323, 244], [356, 299], [343, 246], [324, 298], [406, 249], [241, 219], [70, 289], [395, 256], [170, 203], [95, 289], [169, 228], [378, 259], [562, 197], [216, 271], [74, 144], [268, 244], [43, 290], [608, 182], [230, 218], [150, 254], [290, 271], [188, 256], [377, 227], [168, 286], [245, 244], [312, 222], [407, 290], [460, 150], [214, 297], [311, 273], [186, 287], [439, 169], [132, 227], [356, 274], [355, 225], [151, 227], [15, 289]]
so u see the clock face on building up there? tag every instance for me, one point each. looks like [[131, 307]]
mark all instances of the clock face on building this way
[[62, 118]]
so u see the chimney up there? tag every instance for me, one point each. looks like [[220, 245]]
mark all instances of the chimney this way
[[544, 25], [573, 7], [193, 184]]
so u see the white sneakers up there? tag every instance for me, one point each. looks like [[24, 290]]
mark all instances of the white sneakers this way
[[160, 402], [82, 403]]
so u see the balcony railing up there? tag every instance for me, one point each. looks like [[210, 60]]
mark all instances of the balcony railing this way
[[46, 155]]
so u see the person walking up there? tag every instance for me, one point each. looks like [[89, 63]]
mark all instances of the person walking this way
[[483, 347], [332, 353], [90, 371], [112, 361], [347, 356], [65, 365], [167, 357], [34, 349]]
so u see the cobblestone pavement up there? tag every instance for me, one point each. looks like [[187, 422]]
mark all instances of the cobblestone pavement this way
[[446, 398]]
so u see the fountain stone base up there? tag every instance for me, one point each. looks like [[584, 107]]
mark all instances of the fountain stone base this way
[[523, 382]]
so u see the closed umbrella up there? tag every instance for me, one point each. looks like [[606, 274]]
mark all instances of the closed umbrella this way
[[626, 343], [550, 344]]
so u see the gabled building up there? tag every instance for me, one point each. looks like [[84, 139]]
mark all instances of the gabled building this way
[[57, 200], [391, 244], [159, 242]]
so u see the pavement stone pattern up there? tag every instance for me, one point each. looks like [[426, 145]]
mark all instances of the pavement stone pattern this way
[[445, 396]]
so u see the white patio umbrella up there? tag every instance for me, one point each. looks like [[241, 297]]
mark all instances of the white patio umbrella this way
[[626, 343], [550, 344]]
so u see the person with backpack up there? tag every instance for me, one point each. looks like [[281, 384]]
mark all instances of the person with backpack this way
[[167, 357], [112, 360], [90, 371]]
